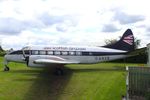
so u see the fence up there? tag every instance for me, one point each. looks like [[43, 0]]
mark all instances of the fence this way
[[138, 83]]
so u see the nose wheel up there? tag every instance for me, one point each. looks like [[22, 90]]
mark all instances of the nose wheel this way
[[6, 68]]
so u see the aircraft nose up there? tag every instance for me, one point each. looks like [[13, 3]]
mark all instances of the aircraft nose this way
[[6, 57]]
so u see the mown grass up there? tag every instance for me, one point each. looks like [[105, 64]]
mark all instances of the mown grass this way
[[103, 81]]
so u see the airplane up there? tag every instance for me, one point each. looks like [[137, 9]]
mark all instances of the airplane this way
[[59, 55]]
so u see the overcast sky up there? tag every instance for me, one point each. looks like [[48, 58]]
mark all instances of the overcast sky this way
[[71, 22]]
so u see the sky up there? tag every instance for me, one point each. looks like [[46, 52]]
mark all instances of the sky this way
[[71, 22]]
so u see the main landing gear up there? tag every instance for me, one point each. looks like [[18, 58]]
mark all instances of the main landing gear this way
[[6, 68], [59, 71]]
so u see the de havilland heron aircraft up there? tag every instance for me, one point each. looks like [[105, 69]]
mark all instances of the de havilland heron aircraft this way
[[59, 55]]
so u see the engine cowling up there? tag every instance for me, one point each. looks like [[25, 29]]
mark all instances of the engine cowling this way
[[32, 58]]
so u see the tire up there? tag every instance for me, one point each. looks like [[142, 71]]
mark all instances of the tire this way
[[6, 69], [59, 72]]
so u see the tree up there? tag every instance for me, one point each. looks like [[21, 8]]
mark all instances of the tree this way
[[110, 41], [1, 49], [2, 52], [137, 42]]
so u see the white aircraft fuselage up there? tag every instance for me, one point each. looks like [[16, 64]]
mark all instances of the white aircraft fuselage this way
[[67, 54], [42, 56]]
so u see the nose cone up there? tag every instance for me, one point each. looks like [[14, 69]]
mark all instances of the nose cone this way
[[6, 57], [14, 58]]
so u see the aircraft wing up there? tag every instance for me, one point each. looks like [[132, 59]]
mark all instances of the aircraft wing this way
[[54, 61]]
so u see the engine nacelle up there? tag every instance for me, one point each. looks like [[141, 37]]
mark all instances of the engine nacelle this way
[[32, 58]]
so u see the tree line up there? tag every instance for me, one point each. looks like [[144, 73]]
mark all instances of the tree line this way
[[139, 55]]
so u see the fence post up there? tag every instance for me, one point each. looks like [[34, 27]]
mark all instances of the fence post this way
[[127, 83]]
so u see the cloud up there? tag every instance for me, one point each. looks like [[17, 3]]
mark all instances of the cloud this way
[[12, 26], [50, 19], [148, 29], [68, 22], [124, 18], [62, 22], [109, 28]]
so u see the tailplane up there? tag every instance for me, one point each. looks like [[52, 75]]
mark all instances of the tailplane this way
[[126, 42]]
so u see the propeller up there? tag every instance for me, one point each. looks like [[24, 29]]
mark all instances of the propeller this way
[[26, 58], [23, 54]]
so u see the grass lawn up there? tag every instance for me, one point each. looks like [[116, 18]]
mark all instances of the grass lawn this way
[[103, 81]]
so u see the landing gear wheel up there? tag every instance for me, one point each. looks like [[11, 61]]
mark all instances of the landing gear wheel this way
[[59, 71], [6, 68]]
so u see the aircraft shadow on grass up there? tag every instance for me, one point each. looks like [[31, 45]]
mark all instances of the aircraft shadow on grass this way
[[47, 86]]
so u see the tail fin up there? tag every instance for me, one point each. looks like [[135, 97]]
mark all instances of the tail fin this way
[[126, 42]]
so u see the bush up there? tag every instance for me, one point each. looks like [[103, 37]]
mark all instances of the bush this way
[[2, 53]]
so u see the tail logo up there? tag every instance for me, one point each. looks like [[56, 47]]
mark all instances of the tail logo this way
[[128, 39]]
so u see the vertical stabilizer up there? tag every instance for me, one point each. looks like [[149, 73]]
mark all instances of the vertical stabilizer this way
[[126, 42]]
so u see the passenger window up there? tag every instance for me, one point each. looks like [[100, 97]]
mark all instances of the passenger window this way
[[50, 52], [90, 53], [64, 53], [78, 53], [57, 52], [42, 52], [71, 53], [35, 52]]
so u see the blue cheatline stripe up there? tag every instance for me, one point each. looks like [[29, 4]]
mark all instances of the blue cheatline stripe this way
[[100, 53], [68, 53], [81, 53]]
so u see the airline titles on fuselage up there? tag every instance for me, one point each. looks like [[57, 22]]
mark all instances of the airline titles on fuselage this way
[[65, 48]]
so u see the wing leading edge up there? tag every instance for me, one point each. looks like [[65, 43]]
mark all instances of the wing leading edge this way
[[54, 61]]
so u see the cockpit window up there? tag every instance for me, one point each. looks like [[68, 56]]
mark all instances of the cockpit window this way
[[16, 52], [27, 52]]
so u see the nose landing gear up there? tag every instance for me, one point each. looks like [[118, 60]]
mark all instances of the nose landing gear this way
[[6, 68]]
